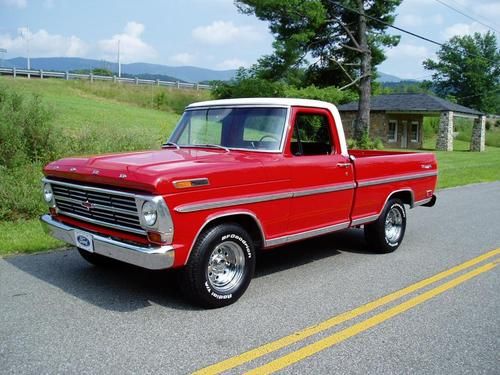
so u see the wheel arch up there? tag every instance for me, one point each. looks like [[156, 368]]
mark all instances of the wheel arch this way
[[406, 195], [246, 219]]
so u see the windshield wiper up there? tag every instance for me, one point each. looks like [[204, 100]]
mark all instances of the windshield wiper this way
[[166, 144], [210, 145]]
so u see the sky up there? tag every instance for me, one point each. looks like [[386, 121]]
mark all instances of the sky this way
[[207, 33]]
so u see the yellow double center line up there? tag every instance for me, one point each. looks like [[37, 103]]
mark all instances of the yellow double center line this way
[[342, 335]]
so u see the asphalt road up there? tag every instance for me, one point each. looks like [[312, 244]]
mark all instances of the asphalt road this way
[[60, 315]]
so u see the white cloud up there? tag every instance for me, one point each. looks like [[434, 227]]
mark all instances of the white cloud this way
[[409, 51], [232, 64], [14, 3], [132, 47], [490, 11], [183, 58], [409, 20], [221, 32], [463, 29], [42, 44], [437, 19]]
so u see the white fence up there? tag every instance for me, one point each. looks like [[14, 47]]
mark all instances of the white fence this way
[[92, 77]]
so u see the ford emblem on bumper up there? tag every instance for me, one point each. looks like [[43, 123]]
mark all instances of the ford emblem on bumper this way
[[84, 241]]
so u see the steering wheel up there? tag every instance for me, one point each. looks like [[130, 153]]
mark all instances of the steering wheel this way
[[268, 136]]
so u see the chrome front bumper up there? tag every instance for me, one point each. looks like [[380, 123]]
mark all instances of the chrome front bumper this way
[[153, 258]]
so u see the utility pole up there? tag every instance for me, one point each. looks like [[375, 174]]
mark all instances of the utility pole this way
[[27, 38], [3, 51], [119, 63]]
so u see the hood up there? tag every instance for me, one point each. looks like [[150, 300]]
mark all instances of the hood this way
[[154, 171]]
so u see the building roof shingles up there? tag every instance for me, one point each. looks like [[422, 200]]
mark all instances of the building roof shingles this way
[[411, 103]]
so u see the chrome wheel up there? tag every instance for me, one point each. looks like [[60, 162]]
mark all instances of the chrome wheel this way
[[226, 266], [393, 225]]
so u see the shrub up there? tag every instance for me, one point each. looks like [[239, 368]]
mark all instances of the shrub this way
[[365, 143], [247, 88], [27, 133], [327, 94], [20, 192]]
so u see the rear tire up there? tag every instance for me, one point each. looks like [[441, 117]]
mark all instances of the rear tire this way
[[220, 268], [386, 233], [95, 259]]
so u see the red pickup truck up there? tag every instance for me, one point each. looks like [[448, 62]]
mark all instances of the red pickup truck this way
[[236, 176]]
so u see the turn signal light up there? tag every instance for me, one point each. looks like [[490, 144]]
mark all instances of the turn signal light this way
[[53, 211], [156, 237], [183, 184]]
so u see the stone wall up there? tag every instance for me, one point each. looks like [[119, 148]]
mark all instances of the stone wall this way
[[445, 133], [478, 134], [379, 127]]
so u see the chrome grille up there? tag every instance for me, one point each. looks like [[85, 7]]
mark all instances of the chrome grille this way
[[105, 207]]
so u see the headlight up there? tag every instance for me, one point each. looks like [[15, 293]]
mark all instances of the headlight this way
[[47, 193], [149, 213]]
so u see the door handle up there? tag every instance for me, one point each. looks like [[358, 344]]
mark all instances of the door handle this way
[[343, 165]]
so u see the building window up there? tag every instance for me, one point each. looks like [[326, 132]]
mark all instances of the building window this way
[[392, 133], [414, 132]]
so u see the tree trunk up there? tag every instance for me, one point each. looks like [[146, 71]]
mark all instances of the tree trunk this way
[[362, 123]]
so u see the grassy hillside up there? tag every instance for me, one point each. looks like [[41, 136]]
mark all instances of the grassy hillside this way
[[103, 105], [89, 118]]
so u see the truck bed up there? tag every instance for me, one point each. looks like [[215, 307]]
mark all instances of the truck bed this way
[[378, 173]]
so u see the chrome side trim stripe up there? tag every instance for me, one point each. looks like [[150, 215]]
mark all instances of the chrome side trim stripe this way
[[321, 190], [364, 220], [304, 235], [231, 202], [380, 181], [263, 198]]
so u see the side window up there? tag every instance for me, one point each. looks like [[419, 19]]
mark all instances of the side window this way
[[311, 135]]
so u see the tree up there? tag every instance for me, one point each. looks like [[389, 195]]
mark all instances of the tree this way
[[343, 37], [468, 70]]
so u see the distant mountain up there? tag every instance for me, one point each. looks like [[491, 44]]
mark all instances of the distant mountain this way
[[383, 77], [182, 73]]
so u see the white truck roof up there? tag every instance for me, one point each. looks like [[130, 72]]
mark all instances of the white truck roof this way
[[281, 102]]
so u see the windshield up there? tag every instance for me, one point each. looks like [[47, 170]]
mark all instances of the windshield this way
[[242, 128]]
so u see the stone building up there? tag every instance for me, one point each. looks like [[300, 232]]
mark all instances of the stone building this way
[[396, 119]]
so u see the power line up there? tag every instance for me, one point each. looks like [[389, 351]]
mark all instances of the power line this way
[[466, 15], [386, 23], [401, 29]]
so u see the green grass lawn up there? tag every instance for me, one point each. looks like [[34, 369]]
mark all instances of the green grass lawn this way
[[103, 105], [462, 167], [25, 236]]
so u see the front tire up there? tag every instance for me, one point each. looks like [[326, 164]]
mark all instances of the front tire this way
[[220, 267], [386, 233]]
